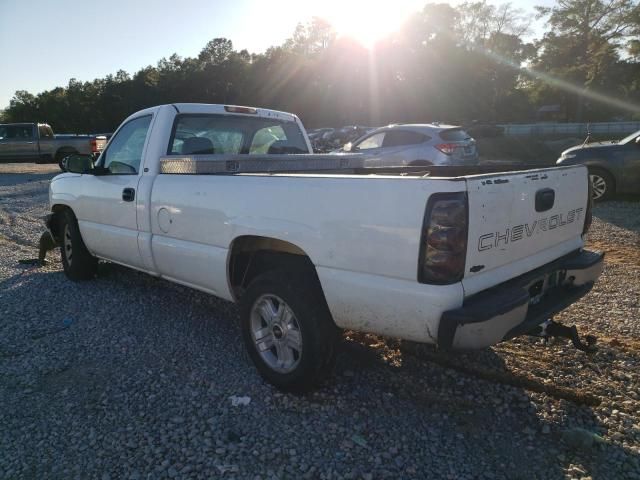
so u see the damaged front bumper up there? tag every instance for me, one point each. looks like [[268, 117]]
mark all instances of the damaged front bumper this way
[[518, 306]]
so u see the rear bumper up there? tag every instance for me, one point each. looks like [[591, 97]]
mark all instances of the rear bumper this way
[[509, 310]]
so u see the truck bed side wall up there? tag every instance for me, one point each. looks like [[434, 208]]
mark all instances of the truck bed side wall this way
[[194, 220]]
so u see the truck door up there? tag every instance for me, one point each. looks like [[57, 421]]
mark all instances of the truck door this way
[[107, 210]]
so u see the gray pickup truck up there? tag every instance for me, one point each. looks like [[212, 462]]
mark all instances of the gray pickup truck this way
[[35, 142]]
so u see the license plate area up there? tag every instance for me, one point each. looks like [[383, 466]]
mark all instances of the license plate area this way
[[540, 286]]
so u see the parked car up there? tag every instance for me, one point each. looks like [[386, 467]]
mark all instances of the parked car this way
[[308, 244], [35, 142], [614, 165], [351, 133], [416, 144], [318, 132]]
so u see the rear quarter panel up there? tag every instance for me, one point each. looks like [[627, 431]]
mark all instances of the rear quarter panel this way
[[361, 233]]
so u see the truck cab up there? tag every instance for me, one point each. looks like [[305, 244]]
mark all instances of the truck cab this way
[[19, 142]]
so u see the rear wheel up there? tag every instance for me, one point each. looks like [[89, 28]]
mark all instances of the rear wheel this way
[[77, 262], [602, 184], [288, 330]]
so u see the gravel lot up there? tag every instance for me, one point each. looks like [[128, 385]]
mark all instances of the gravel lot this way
[[129, 376]]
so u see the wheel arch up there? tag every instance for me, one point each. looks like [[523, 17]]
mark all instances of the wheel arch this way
[[64, 150], [253, 255]]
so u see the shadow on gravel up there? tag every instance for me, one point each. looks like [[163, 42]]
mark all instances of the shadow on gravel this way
[[14, 179], [622, 212], [483, 402], [131, 360]]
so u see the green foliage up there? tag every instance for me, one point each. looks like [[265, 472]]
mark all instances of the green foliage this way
[[454, 64], [583, 46]]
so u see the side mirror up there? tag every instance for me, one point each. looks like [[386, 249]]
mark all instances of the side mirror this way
[[78, 163], [637, 140]]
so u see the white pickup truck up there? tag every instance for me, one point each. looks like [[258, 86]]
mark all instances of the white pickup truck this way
[[210, 196]]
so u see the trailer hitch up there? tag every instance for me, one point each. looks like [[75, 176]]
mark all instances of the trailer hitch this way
[[549, 329]]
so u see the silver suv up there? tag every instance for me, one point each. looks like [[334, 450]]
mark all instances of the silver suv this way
[[416, 144]]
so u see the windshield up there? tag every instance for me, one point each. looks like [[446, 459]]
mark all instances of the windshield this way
[[630, 138], [230, 134]]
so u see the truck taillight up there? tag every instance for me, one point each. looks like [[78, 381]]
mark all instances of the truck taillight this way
[[94, 145], [447, 148], [443, 246]]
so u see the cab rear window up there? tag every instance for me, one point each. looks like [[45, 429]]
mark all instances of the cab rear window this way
[[229, 134]]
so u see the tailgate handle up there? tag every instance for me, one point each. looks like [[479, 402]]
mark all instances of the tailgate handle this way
[[544, 199]]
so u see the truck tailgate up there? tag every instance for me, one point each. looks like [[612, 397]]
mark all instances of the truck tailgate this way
[[519, 221]]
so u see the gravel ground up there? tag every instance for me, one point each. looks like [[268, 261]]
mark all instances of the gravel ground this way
[[129, 376]]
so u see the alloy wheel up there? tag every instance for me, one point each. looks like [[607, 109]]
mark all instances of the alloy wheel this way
[[68, 247], [276, 333], [599, 185]]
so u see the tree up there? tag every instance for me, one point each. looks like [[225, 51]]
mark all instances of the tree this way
[[311, 38], [585, 39], [452, 64], [216, 51]]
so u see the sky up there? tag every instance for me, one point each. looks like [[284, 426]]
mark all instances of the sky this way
[[46, 43]]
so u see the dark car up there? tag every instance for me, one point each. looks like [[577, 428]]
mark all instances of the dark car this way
[[614, 166]]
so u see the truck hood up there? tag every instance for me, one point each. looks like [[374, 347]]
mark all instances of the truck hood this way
[[591, 146], [64, 175]]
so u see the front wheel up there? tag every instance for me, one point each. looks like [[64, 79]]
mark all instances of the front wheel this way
[[77, 262], [601, 184], [288, 330]]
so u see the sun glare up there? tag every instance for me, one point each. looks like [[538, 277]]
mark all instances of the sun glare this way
[[365, 21]]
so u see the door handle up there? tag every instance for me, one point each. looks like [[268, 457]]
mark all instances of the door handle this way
[[128, 194]]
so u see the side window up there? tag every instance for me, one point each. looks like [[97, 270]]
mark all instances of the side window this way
[[19, 132], [403, 137], [265, 138], [125, 150], [374, 141]]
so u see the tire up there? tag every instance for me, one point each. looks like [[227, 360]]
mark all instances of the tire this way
[[602, 184], [77, 262], [288, 330]]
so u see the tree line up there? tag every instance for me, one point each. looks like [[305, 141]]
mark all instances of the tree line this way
[[471, 62]]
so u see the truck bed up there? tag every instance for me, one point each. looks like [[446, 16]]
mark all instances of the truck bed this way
[[339, 164]]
